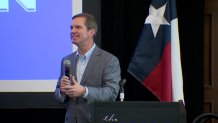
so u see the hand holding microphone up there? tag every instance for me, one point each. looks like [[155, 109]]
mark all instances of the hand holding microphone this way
[[69, 85], [65, 85], [65, 80]]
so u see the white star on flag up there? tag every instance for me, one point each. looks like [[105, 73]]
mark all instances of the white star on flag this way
[[156, 18]]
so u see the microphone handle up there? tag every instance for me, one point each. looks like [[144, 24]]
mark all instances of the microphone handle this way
[[67, 72]]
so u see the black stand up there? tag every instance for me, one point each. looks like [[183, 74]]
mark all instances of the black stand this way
[[138, 112]]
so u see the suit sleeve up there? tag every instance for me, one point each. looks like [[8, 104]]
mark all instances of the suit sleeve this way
[[110, 83], [59, 98]]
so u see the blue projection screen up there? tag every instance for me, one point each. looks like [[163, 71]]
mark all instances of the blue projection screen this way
[[34, 36]]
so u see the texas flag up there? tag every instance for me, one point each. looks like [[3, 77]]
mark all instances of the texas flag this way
[[156, 61]]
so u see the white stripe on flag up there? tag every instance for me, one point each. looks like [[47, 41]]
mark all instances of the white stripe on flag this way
[[177, 80]]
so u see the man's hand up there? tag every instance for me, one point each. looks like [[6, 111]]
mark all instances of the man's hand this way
[[65, 85], [76, 89]]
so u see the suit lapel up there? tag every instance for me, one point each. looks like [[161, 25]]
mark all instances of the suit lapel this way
[[92, 62]]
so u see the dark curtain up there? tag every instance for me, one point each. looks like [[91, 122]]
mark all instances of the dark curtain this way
[[121, 24]]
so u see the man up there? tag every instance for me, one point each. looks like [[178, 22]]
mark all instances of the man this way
[[95, 73]]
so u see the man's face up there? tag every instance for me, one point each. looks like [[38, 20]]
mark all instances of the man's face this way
[[79, 33]]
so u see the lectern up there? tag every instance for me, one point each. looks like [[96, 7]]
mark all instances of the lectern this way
[[138, 112]]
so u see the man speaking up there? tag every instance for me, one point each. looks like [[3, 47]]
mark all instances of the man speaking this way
[[88, 75]]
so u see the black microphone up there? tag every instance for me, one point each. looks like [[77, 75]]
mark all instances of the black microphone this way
[[67, 64]]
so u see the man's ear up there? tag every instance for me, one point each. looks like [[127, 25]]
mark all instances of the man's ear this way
[[92, 32]]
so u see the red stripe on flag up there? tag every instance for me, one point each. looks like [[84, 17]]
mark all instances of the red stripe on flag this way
[[159, 81]]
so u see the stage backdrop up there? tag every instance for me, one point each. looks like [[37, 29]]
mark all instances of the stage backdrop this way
[[34, 37]]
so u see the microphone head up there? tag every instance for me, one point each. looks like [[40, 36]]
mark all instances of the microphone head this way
[[67, 64]]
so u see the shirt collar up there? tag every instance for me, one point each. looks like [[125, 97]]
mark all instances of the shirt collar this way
[[87, 54]]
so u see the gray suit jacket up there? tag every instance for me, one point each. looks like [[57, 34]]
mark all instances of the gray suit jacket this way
[[101, 77]]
